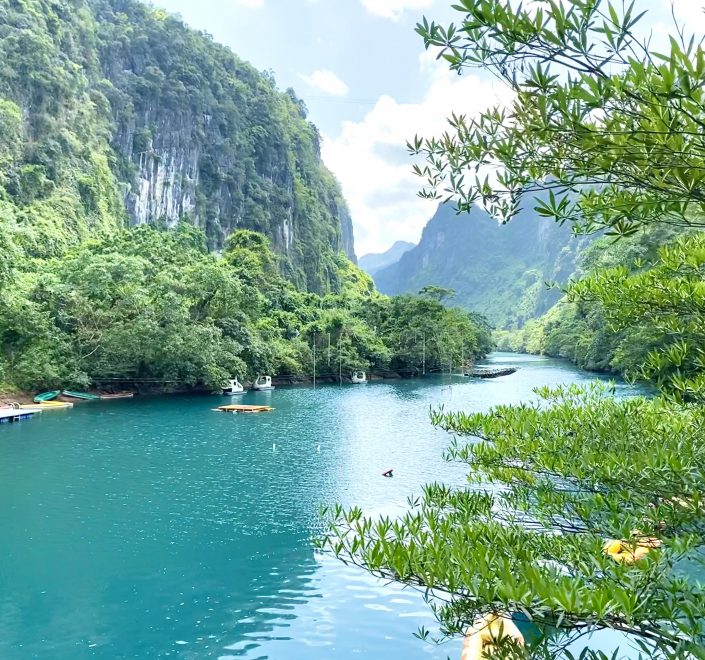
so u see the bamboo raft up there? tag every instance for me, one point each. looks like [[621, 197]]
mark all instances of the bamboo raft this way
[[238, 408], [491, 372]]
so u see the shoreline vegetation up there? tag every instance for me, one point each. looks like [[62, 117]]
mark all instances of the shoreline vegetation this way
[[27, 397], [155, 306], [582, 329], [584, 512]]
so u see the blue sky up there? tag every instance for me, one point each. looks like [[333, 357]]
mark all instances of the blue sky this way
[[362, 71]]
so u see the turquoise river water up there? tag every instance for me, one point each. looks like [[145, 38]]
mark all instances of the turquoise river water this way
[[154, 527]]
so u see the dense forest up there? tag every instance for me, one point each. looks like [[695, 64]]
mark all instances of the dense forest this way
[[581, 329], [154, 304]]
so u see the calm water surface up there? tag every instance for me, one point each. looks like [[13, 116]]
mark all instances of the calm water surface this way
[[155, 527]]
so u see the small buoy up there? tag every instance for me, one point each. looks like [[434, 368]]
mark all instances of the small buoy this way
[[274, 447], [388, 473], [319, 448], [626, 552], [487, 633]]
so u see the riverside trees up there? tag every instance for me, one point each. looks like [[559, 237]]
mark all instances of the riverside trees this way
[[613, 130], [154, 304]]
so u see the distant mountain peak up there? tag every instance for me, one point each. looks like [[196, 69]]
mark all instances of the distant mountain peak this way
[[373, 263]]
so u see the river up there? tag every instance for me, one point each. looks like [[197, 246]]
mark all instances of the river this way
[[155, 527]]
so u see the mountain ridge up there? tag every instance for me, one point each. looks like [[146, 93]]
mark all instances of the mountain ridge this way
[[498, 270], [376, 261]]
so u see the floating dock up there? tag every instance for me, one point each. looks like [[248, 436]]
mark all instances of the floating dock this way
[[491, 372], [9, 415], [243, 409]]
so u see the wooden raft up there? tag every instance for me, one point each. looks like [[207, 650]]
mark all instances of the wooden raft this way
[[236, 408]]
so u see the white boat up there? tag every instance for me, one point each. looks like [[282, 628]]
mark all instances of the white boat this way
[[263, 383], [359, 378], [234, 387]]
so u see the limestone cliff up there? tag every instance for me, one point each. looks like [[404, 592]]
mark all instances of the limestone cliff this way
[[130, 114]]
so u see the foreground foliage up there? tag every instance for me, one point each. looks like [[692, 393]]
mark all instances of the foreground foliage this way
[[609, 128], [582, 512], [668, 300], [549, 483]]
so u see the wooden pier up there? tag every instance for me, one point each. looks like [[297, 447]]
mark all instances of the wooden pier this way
[[235, 408], [491, 372]]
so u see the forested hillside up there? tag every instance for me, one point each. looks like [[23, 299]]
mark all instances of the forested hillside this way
[[115, 113], [153, 305], [581, 329], [498, 270], [165, 216]]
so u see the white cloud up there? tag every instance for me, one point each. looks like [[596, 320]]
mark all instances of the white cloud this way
[[394, 8], [689, 13], [326, 81], [254, 4], [370, 159]]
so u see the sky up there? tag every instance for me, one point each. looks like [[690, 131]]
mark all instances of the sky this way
[[370, 86]]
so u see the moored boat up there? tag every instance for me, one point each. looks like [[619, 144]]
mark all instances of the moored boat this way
[[491, 372], [46, 396], [233, 387], [86, 396], [263, 383], [47, 405], [119, 395], [359, 378]]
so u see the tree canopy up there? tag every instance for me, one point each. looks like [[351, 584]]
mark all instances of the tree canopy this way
[[610, 127], [154, 305]]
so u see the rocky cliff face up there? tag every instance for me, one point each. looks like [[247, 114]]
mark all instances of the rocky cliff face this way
[[166, 170], [202, 135], [498, 270], [127, 113]]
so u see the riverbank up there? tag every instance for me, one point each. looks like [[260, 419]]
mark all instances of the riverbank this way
[[8, 396], [522, 341]]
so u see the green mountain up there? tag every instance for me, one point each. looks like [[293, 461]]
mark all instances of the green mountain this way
[[113, 113], [498, 270], [374, 262]]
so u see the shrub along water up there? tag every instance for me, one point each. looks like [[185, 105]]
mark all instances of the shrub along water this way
[[583, 512]]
